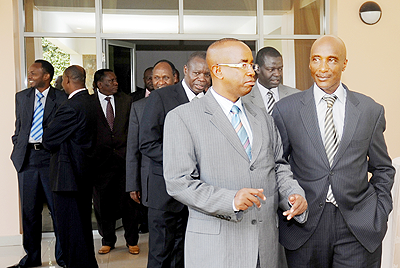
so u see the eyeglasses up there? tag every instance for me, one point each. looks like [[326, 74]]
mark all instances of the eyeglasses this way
[[242, 65]]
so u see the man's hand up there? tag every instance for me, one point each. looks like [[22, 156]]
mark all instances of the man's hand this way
[[299, 205], [246, 197], [135, 195]]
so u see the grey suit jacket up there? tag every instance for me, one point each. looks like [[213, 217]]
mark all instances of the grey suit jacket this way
[[205, 165], [255, 96], [365, 204], [137, 165]]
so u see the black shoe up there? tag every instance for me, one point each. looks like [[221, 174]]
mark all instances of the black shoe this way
[[17, 266]]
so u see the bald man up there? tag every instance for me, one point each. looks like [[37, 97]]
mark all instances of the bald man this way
[[231, 184], [332, 138], [69, 139]]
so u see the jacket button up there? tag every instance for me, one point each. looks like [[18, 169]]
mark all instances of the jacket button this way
[[253, 222], [321, 205], [252, 168]]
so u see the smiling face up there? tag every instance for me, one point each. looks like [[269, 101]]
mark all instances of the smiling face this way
[[163, 75], [37, 77], [197, 75], [327, 62], [231, 82]]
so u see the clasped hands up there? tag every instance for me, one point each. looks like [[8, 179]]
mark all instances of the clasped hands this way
[[248, 197]]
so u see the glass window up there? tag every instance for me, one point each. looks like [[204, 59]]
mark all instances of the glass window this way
[[296, 55], [59, 16], [216, 17], [63, 52], [136, 16], [288, 17]]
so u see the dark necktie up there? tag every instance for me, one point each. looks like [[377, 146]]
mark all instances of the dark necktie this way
[[110, 113], [271, 102]]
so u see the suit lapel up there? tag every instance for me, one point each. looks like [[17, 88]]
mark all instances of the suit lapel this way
[[308, 114], [180, 94], [30, 105], [256, 97], [220, 121], [256, 130], [50, 103], [101, 114], [352, 115]]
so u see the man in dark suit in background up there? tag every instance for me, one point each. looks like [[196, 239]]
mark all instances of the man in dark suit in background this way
[[269, 88], [332, 138], [167, 217], [69, 137], [35, 108], [141, 93], [110, 200]]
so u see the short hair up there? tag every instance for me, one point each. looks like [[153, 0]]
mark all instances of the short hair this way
[[99, 75], [197, 54], [148, 69], [47, 67], [170, 64], [76, 73], [266, 52]]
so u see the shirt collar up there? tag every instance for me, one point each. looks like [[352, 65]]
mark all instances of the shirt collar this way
[[189, 92], [75, 92], [103, 97], [264, 90], [44, 93], [226, 104], [340, 93]]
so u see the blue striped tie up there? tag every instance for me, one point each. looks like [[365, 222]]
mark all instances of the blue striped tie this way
[[240, 130], [37, 123]]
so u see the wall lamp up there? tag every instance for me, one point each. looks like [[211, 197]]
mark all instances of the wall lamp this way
[[370, 12]]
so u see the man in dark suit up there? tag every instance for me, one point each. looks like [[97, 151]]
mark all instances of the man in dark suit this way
[[69, 137], [141, 93], [167, 217], [333, 138], [32, 161], [110, 200], [269, 88]]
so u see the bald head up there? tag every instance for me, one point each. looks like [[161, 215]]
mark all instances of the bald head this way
[[231, 82], [73, 78], [163, 74], [327, 62]]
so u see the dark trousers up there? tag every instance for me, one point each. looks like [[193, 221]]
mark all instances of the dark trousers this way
[[73, 216], [333, 245], [111, 202], [34, 190], [166, 238]]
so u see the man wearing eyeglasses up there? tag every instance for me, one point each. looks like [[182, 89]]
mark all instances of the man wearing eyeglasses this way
[[268, 88], [223, 159]]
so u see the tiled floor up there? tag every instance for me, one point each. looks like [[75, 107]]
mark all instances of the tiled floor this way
[[117, 258]]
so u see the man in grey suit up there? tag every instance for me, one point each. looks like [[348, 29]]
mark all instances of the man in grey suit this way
[[268, 88], [232, 188], [333, 138]]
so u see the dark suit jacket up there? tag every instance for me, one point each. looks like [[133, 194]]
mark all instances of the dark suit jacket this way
[[69, 138], [137, 165], [365, 204], [112, 144], [24, 108], [140, 93], [158, 104]]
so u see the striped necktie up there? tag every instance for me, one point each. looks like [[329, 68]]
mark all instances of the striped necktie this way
[[271, 102], [110, 113], [331, 140], [240, 130], [37, 123]]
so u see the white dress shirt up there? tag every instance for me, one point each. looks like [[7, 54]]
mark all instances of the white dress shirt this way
[[189, 92], [264, 91], [75, 92], [104, 102]]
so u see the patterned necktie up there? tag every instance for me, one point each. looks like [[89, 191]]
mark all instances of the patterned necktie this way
[[109, 113], [37, 123], [271, 102], [240, 130], [331, 140]]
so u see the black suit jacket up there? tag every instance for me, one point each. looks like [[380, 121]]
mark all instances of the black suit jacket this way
[[140, 93], [69, 138], [159, 103], [24, 108], [112, 144], [137, 165]]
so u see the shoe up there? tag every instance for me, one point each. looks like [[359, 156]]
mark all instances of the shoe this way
[[17, 266], [143, 229], [134, 249], [105, 249]]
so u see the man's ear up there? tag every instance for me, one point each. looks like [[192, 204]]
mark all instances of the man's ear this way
[[185, 70], [217, 72], [46, 76]]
